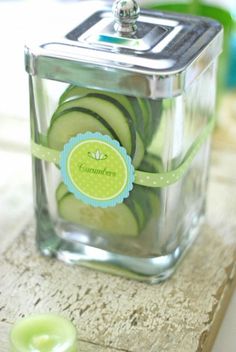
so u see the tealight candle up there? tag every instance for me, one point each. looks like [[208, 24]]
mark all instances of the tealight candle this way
[[43, 333]]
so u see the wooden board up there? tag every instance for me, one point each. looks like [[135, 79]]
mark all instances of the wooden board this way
[[114, 314]]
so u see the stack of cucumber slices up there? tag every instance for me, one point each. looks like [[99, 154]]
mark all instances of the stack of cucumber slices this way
[[132, 122], [128, 218]]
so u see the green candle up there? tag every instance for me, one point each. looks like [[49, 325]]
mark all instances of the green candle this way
[[43, 333]]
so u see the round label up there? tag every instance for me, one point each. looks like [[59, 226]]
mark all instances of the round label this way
[[96, 169]]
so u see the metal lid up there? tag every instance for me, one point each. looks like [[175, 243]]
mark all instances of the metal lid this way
[[157, 56]]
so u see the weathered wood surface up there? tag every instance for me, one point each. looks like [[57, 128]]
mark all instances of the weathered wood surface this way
[[113, 314]]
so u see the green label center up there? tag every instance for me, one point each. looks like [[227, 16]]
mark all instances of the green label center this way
[[97, 169]]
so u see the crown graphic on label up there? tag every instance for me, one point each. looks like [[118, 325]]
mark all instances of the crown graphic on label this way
[[98, 155]]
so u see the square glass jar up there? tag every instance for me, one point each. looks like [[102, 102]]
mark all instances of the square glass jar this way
[[134, 201]]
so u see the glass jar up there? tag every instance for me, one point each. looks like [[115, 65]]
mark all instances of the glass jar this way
[[121, 119]]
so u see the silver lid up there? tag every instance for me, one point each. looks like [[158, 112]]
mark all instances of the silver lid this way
[[167, 52]]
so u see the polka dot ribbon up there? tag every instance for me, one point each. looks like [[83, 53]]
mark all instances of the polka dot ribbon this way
[[143, 178]]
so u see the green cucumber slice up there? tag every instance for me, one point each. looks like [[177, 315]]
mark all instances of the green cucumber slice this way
[[155, 203], [154, 200], [155, 161], [136, 209], [156, 111], [132, 203], [147, 119], [151, 163], [74, 92], [73, 121], [118, 220], [140, 196], [140, 213], [112, 112], [117, 117], [129, 202], [139, 151], [143, 113], [61, 191], [147, 167], [138, 117]]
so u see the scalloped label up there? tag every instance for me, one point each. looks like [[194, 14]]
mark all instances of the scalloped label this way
[[97, 170]]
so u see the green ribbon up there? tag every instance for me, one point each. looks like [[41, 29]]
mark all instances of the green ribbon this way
[[143, 178]]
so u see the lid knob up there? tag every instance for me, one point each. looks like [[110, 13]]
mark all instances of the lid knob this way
[[125, 13]]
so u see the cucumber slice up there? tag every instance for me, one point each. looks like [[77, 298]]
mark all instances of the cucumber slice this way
[[154, 202], [147, 119], [117, 117], [136, 209], [139, 151], [73, 121], [155, 161], [140, 196], [130, 203], [74, 92], [145, 166], [156, 111], [138, 117], [151, 163], [139, 211], [118, 220], [112, 112], [61, 191], [146, 203], [143, 112]]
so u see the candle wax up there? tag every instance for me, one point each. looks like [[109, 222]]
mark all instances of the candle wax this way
[[43, 333]]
